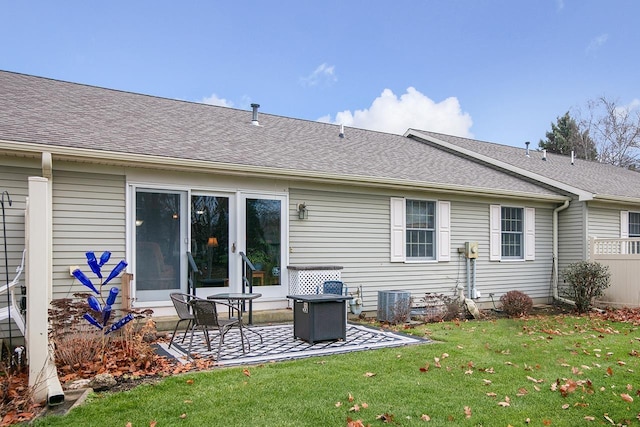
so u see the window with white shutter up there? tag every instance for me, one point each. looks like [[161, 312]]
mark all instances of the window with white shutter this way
[[420, 230], [512, 233]]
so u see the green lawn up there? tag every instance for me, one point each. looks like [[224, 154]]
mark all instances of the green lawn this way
[[558, 371]]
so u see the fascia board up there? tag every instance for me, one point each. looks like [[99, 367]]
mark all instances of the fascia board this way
[[582, 195], [188, 165]]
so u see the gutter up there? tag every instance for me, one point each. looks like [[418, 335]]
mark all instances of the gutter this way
[[556, 297]]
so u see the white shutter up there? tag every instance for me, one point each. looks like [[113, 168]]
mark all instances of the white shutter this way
[[530, 234], [444, 231], [495, 227], [624, 224], [398, 221]]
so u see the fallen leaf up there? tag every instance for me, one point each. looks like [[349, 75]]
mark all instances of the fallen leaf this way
[[354, 408], [491, 394], [183, 416], [189, 382], [246, 372], [467, 412], [350, 397], [566, 406], [129, 424], [589, 418], [606, 417], [385, 418], [364, 405], [504, 404], [486, 382], [338, 404], [369, 374], [153, 423], [626, 397], [609, 371], [425, 417]]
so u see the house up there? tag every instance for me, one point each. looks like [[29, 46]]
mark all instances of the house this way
[[151, 179], [601, 219]]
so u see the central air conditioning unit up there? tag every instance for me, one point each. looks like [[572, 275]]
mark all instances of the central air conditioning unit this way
[[394, 306]]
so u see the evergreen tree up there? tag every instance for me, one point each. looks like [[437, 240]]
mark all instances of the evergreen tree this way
[[565, 136]]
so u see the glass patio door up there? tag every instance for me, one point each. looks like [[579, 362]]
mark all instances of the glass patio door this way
[[160, 234], [210, 242], [264, 234]]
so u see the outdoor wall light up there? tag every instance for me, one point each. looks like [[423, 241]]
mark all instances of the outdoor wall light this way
[[303, 213]]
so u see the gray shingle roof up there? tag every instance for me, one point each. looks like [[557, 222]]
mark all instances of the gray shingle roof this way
[[597, 178], [37, 110]]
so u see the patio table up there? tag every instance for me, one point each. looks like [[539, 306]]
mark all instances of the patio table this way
[[320, 317], [237, 300]]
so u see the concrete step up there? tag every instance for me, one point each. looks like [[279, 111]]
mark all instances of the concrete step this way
[[260, 317]]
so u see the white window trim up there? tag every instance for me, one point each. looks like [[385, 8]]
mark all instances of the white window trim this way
[[495, 231], [398, 207]]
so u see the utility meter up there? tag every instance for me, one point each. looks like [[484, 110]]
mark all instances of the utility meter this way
[[471, 249]]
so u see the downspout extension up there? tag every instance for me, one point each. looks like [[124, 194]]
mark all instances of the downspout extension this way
[[556, 296]]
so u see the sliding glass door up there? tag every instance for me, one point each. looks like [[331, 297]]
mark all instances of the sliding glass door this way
[[264, 234], [210, 241], [159, 248]]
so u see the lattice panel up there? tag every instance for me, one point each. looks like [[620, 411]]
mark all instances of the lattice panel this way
[[306, 282]]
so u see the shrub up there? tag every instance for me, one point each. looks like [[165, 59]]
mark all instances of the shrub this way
[[516, 303], [587, 280]]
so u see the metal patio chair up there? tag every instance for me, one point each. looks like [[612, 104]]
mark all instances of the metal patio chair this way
[[334, 287], [181, 304], [12, 311], [205, 316]]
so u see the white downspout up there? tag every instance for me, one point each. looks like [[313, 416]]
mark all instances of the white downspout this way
[[556, 297]]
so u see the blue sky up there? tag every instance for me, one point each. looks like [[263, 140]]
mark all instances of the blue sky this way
[[498, 71]]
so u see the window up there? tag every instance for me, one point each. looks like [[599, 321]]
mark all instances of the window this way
[[420, 230], [512, 233], [511, 227], [634, 224]]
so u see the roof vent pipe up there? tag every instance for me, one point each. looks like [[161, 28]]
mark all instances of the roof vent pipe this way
[[341, 134], [573, 157], [527, 144], [544, 154], [254, 119]]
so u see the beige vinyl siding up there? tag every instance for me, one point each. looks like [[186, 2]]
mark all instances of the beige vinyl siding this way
[[571, 234], [88, 214], [353, 231], [603, 222], [14, 180]]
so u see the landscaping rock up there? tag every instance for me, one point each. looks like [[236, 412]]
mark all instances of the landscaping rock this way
[[102, 382]]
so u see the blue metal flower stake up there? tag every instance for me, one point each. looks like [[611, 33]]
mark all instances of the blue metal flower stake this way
[[105, 308]]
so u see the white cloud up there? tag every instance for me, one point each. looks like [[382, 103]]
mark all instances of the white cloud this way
[[597, 42], [391, 114], [322, 74], [215, 100]]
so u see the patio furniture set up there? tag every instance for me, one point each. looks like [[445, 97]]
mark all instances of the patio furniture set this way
[[317, 317]]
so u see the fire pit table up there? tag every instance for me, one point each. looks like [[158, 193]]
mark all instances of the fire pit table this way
[[321, 317]]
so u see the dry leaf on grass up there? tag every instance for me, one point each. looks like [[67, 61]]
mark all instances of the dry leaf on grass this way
[[467, 412]]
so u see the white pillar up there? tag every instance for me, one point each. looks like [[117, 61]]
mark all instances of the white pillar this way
[[38, 237]]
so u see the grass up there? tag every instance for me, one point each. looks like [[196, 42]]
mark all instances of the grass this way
[[557, 370]]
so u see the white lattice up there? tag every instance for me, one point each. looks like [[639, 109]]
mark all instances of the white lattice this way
[[307, 282]]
